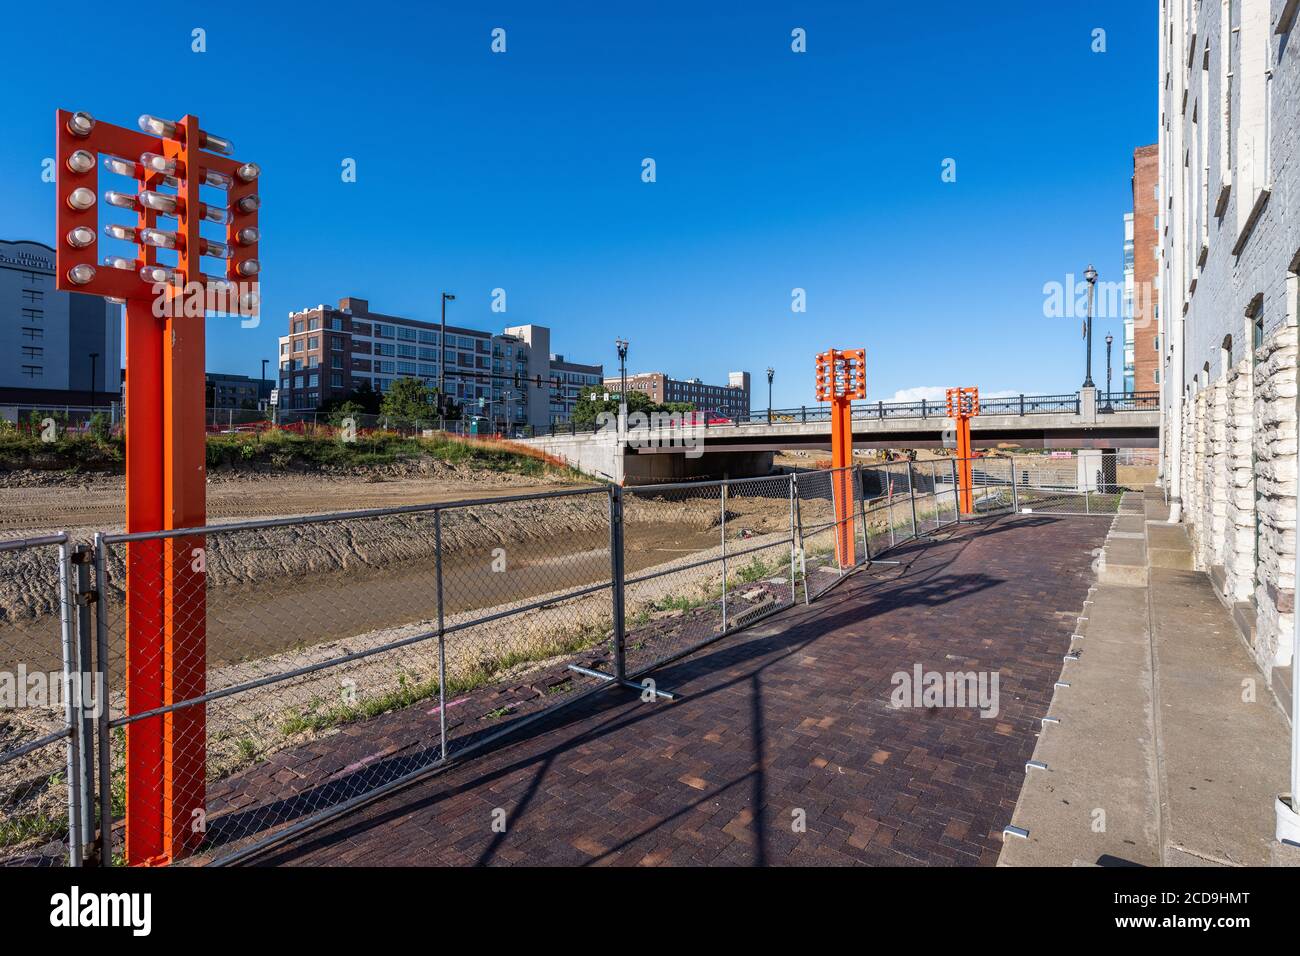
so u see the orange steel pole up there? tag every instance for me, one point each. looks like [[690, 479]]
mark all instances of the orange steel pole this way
[[184, 461], [840, 379], [963, 405], [144, 581]]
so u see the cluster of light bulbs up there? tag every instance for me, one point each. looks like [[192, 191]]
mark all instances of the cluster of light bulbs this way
[[82, 161]]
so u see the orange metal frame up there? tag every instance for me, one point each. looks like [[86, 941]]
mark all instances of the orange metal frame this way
[[165, 473], [841, 377], [963, 405]]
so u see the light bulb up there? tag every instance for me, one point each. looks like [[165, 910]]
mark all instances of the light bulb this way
[[159, 164], [157, 274], [248, 172], [159, 238], [249, 267], [81, 161], [248, 235], [213, 178], [125, 233], [117, 262], [81, 273], [218, 144], [158, 127], [82, 198], [214, 214], [218, 250], [121, 200], [123, 167], [81, 124], [249, 203], [158, 202], [80, 237]]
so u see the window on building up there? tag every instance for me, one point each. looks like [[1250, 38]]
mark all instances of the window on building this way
[[313, 325], [33, 295], [1251, 132], [33, 315], [32, 371], [30, 332], [313, 342], [336, 380], [33, 351]]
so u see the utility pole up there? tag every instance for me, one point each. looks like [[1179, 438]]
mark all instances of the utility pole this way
[[94, 357], [442, 358]]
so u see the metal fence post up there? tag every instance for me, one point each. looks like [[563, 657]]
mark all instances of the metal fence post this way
[[70, 715], [102, 733], [793, 547], [956, 490], [616, 576], [911, 492], [442, 635], [803, 554], [85, 782], [858, 477], [723, 489], [1015, 492]]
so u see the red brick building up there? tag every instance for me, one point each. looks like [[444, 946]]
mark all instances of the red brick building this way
[[1146, 244]]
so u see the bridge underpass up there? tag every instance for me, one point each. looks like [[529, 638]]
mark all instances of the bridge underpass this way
[[747, 449]]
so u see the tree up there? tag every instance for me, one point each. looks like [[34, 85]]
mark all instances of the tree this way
[[410, 398], [363, 399], [592, 401]]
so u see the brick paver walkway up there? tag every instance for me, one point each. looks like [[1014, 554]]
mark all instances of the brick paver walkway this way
[[790, 721]]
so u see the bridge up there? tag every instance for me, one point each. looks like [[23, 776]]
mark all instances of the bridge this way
[[718, 447]]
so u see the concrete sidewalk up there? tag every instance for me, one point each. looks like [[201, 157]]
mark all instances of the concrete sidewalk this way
[[1170, 747]]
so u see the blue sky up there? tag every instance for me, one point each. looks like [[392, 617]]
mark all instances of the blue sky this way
[[522, 170]]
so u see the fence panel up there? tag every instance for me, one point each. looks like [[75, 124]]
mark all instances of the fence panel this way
[[818, 504], [527, 592], [342, 653], [39, 751], [887, 504], [703, 560]]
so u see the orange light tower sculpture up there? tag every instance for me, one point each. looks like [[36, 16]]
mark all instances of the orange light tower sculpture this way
[[963, 405], [842, 377], [166, 305]]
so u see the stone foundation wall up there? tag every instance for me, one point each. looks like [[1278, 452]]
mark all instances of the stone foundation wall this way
[[1239, 533], [1239, 467], [1275, 487]]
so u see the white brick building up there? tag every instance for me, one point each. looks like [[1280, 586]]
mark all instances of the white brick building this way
[[1229, 234]]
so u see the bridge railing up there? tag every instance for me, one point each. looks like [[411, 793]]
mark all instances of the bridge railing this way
[[1066, 403]]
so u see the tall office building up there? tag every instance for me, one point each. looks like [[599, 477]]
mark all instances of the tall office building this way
[[52, 342]]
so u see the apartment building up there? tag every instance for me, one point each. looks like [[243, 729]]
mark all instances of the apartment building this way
[[730, 400], [504, 377], [1229, 258], [56, 348]]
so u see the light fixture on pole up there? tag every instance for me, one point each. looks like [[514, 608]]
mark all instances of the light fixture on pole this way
[[770, 372], [1091, 275], [621, 345]]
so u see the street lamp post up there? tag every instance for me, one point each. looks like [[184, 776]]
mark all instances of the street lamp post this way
[[94, 358], [442, 358], [1109, 340], [1091, 275], [621, 345], [770, 372]]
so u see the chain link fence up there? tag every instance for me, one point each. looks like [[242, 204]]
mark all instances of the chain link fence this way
[[704, 560], [266, 676], [44, 795]]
